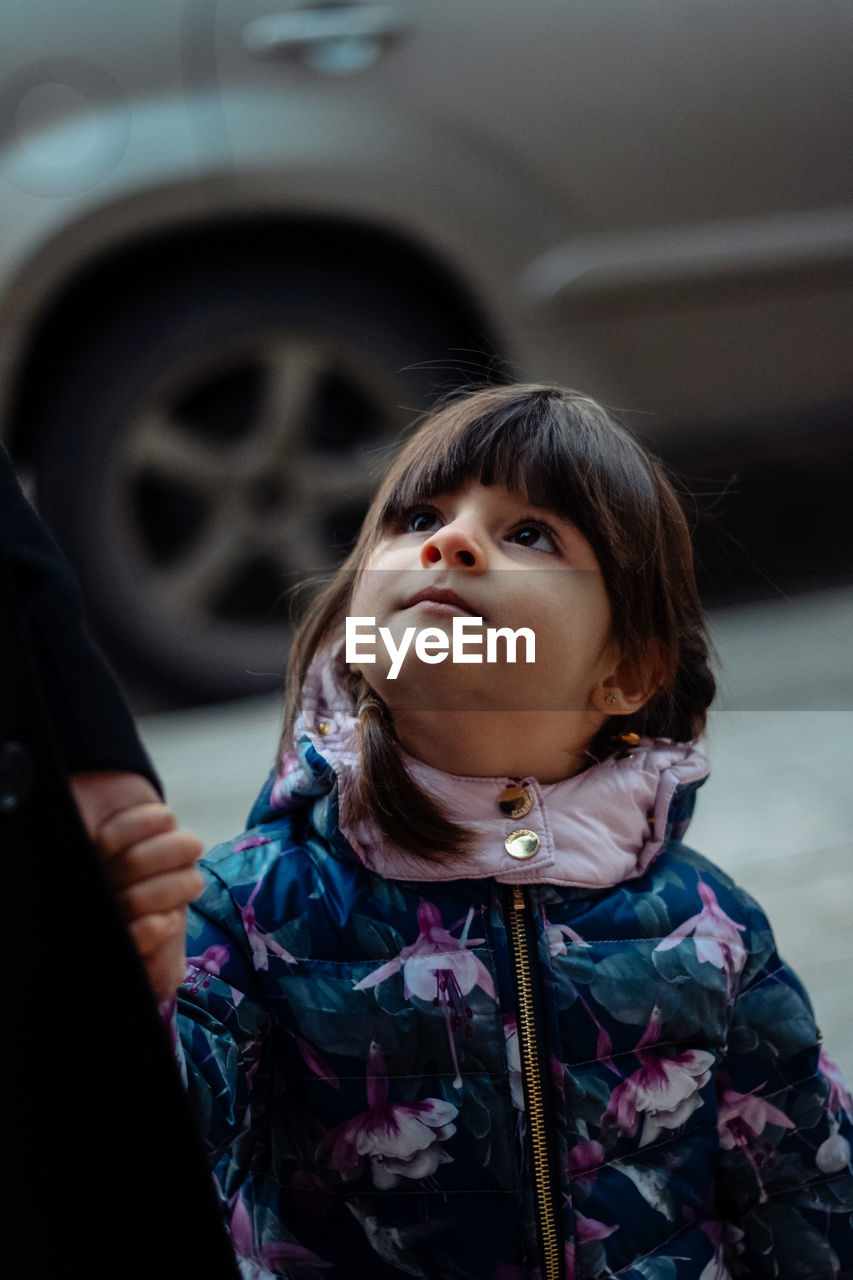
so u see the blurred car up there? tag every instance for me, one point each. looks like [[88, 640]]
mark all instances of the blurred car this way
[[242, 243]]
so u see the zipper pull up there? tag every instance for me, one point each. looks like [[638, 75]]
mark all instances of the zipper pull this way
[[517, 897]]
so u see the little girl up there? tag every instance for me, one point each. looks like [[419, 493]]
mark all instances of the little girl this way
[[460, 1004]]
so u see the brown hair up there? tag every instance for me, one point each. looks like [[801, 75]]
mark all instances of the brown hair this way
[[562, 451]]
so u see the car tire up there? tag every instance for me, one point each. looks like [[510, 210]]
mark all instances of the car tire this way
[[216, 441]]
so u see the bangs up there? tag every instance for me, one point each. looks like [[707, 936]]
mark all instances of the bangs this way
[[556, 450]]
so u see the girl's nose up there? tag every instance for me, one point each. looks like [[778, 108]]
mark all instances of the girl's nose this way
[[456, 546]]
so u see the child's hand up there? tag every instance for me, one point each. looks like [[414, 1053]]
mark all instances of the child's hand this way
[[149, 864]]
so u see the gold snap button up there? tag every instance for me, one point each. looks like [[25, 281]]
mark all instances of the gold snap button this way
[[515, 802], [522, 844], [629, 740], [324, 727]]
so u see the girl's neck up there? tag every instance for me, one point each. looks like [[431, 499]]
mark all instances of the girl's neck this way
[[548, 746]]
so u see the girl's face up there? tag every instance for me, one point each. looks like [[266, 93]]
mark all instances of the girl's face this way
[[511, 565]]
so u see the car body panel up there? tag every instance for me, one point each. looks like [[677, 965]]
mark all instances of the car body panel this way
[[604, 179]]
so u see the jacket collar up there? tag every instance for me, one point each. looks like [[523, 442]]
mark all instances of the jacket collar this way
[[595, 830]]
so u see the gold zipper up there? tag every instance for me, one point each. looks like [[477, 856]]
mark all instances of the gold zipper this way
[[532, 1074]]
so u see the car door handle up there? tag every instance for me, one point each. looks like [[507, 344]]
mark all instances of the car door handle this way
[[287, 32]]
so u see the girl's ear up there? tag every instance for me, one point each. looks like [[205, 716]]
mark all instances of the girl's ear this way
[[633, 681]]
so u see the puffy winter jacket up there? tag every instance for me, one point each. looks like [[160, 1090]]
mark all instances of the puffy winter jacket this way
[[589, 1062]]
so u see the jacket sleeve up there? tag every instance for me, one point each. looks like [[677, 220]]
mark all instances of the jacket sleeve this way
[[785, 1189], [93, 727], [220, 1027]]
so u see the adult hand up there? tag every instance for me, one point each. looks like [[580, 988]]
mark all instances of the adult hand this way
[[149, 864]]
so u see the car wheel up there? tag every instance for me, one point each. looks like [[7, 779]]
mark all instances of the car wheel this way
[[215, 443]]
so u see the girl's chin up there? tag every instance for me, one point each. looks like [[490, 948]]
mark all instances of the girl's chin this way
[[457, 689]]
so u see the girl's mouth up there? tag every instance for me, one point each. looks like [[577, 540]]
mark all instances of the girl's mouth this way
[[441, 600]]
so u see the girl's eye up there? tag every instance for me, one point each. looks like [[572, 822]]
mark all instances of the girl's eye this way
[[535, 534], [421, 521]]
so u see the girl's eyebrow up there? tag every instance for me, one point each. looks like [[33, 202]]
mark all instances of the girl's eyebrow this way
[[549, 513], [526, 505]]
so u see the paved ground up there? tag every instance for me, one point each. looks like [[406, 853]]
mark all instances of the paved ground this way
[[777, 812]]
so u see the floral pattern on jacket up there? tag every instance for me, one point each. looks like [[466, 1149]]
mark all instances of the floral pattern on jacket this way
[[351, 1047]]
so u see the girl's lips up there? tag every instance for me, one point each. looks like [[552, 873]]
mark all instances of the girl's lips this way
[[441, 600], [443, 606]]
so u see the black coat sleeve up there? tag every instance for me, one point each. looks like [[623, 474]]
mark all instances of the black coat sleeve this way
[[110, 1173], [93, 727]]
